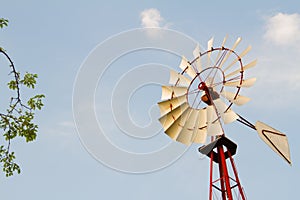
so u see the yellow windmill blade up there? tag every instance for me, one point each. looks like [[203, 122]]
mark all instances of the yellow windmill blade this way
[[230, 52], [197, 58], [170, 104], [227, 115], [214, 126], [245, 83], [223, 44], [238, 71], [169, 92], [238, 58], [186, 134], [187, 68], [209, 48], [168, 119], [178, 79], [174, 130], [200, 131], [234, 98]]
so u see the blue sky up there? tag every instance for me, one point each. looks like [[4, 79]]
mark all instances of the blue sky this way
[[53, 38]]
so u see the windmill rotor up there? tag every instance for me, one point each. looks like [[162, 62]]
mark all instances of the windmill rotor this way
[[202, 94], [198, 100]]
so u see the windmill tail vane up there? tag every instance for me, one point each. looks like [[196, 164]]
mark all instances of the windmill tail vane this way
[[198, 102], [275, 139]]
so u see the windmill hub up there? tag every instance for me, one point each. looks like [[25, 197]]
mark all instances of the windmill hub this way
[[209, 93], [205, 87], [202, 86]]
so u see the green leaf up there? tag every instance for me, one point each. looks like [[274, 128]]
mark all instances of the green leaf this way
[[3, 22], [12, 85], [29, 80], [9, 166], [36, 102]]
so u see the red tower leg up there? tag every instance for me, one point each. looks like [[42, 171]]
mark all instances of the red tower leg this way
[[237, 178], [224, 172], [211, 176]]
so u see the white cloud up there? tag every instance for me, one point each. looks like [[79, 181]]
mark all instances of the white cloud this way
[[151, 18], [283, 29], [67, 124], [278, 80]]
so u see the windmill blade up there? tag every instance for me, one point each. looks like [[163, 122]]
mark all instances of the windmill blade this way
[[245, 83], [210, 43], [200, 132], [248, 66], [186, 134], [170, 104], [174, 130], [237, 59], [196, 54], [178, 79], [276, 140], [187, 68], [228, 54], [168, 119], [214, 126], [236, 99], [169, 92], [224, 40], [227, 115], [209, 47], [245, 51], [236, 43], [223, 44], [200, 136]]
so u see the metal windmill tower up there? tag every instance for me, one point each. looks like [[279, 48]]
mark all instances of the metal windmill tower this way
[[198, 103]]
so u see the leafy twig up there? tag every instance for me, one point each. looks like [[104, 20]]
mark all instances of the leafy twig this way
[[18, 118]]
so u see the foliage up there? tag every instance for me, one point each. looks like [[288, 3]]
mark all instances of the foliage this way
[[3, 22], [17, 120]]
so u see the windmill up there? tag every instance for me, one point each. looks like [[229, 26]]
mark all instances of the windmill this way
[[198, 102]]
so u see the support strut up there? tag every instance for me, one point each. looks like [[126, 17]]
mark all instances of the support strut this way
[[225, 184]]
